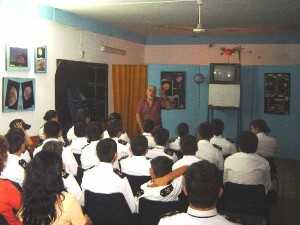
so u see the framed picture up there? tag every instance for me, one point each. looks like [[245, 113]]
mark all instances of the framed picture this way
[[40, 59], [18, 94], [172, 90], [277, 89], [17, 58]]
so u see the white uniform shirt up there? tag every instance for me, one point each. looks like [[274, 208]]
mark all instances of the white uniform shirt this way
[[123, 136], [267, 145], [73, 187], [150, 138], [186, 160], [78, 144], [195, 217], [136, 166], [68, 158], [208, 152], [228, 148], [247, 168], [123, 148], [71, 134], [102, 179], [175, 145], [159, 151], [89, 156], [13, 170], [155, 193]]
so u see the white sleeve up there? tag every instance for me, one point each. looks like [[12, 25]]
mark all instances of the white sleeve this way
[[70, 134], [225, 174], [125, 137], [73, 187], [220, 160], [26, 156], [127, 192], [232, 148], [69, 161]]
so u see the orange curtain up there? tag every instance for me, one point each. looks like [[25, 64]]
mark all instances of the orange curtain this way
[[129, 86]]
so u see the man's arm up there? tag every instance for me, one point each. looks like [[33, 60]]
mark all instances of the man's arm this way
[[139, 121], [170, 176]]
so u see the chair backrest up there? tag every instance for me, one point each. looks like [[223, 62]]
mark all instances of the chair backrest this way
[[151, 211], [3, 220], [244, 199], [107, 209], [136, 182]]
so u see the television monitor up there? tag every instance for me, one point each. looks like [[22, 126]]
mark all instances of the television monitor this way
[[221, 73]]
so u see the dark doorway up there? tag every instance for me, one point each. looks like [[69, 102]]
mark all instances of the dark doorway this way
[[79, 86]]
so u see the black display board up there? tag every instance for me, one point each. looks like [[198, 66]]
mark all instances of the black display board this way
[[277, 93]]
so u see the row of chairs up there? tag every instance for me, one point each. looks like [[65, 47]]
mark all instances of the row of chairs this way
[[243, 203]]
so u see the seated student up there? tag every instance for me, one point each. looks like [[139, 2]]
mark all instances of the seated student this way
[[81, 140], [115, 130], [111, 117], [148, 126], [10, 194], [45, 199], [182, 129], [267, 145], [69, 180], [203, 188], [161, 137], [88, 156], [166, 192], [247, 167], [218, 140], [188, 145], [205, 149], [103, 179], [19, 123], [14, 169], [50, 115], [52, 132], [82, 116], [137, 164]]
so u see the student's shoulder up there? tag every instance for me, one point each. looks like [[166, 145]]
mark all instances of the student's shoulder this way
[[173, 218]]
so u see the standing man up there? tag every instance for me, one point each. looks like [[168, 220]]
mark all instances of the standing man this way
[[149, 108]]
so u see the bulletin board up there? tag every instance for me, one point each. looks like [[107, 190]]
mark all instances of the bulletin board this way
[[277, 93]]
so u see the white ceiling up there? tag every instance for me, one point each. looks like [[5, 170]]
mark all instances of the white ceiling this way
[[166, 17]]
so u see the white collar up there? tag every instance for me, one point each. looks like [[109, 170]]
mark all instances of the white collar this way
[[159, 147], [50, 139], [203, 141], [14, 156], [260, 134], [147, 134], [202, 214]]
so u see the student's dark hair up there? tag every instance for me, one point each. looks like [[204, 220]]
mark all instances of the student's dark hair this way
[[93, 131], [248, 142], [106, 150], [15, 138], [139, 145], [148, 126], [42, 186], [114, 116], [182, 129], [161, 136], [205, 131], [50, 114], [3, 152], [82, 115], [188, 145], [161, 166], [202, 182], [114, 127], [52, 129], [261, 125], [53, 146], [80, 129], [217, 127]]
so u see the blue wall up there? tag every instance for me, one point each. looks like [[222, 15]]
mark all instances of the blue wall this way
[[285, 128]]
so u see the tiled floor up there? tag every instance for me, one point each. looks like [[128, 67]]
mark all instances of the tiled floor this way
[[286, 210]]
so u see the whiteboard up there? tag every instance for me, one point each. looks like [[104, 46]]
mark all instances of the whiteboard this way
[[224, 95]]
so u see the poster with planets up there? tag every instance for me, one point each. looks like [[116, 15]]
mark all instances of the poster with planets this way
[[18, 94], [172, 90]]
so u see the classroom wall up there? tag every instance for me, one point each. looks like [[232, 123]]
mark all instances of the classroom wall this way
[[63, 42]]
